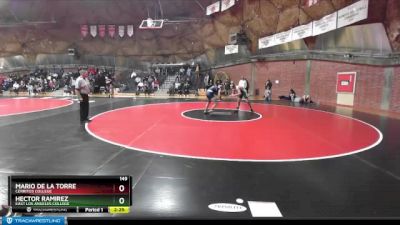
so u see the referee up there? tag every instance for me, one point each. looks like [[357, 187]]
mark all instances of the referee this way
[[82, 87]]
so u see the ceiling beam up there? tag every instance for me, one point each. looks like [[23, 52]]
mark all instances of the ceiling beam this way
[[200, 5]]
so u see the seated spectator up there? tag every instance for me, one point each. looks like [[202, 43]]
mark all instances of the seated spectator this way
[[171, 90], [232, 87], [139, 88], [30, 89], [16, 87], [67, 90], [305, 99], [292, 95], [186, 87], [146, 87], [137, 80], [51, 85], [177, 86], [180, 89], [156, 84]]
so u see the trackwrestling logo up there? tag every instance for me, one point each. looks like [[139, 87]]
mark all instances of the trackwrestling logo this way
[[33, 220]]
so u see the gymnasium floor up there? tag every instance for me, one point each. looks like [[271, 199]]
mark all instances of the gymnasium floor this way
[[295, 161]]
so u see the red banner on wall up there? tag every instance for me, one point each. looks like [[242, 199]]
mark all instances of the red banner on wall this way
[[84, 30], [111, 30], [346, 82], [102, 31]]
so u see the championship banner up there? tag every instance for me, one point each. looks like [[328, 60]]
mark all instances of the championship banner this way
[[353, 13], [121, 31], [129, 30], [111, 30], [266, 42], [102, 31], [303, 31], [84, 30], [326, 24], [283, 37], [93, 30], [231, 49], [226, 4], [309, 3], [213, 8]]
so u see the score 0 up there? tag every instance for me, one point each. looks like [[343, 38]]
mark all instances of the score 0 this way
[[122, 188]]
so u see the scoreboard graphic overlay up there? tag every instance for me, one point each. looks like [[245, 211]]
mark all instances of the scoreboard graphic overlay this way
[[70, 194]]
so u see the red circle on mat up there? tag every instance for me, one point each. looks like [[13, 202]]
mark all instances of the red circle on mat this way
[[15, 106], [282, 134]]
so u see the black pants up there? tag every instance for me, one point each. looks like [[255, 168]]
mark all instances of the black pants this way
[[84, 107]]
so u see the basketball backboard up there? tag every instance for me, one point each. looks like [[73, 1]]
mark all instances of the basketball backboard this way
[[151, 24]]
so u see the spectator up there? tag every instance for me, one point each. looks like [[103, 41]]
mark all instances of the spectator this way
[[16, 87], [189, 72], [292, 95], [186, 87], [206, 80], [72, 84], [181, 71], [156, 85], [268, 91], [110, 86], [305, 99], [232, 87]]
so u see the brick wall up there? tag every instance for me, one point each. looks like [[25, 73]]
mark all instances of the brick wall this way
[[395, 98], [369, 83], [292, 74], [289, 74]]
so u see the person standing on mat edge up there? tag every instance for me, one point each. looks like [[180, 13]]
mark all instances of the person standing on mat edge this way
[[268, 91], [242, 93], [213, 93], [82, 88]]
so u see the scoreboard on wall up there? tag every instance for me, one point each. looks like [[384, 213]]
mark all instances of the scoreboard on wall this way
[[70, 194]]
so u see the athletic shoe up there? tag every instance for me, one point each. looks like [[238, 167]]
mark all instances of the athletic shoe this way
[[86, 121]]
